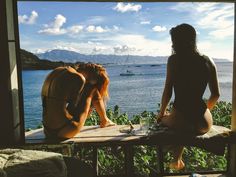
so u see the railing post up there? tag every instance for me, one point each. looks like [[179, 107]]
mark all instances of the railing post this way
[[160, 160], [129, 161], [232, 168], [95, 161]]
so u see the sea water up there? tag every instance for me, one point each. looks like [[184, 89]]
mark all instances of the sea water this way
[[133, 94]]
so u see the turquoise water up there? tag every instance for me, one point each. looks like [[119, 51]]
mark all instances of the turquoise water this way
[[133, 94]]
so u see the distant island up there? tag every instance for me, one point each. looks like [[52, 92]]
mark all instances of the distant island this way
[[29, 61], [55, 58]]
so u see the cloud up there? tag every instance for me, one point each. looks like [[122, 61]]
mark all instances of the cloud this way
[[158, 28], [145, 22], [116, 28], [216, 50], [95, 20], [24, 19], [98, 49], [216, 17], [129, 7], [140, 45], [223, 32], [63, 47], [55, 28], [123, 49], [75, 29], [96, 29]]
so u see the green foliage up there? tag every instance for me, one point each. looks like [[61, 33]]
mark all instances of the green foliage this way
[[222, 114], [111, 160]]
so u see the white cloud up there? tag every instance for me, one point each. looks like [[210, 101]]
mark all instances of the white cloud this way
[[96, 29], [39, 51], [143, 45], [216, 17], [145, 22], [55, 28], [116, 28], [216, 50], [98, 49], [123, 49], [95, 20], [129, 7], [24, 19], [63, 47], [75, 29], [158, 28], [222, 33]]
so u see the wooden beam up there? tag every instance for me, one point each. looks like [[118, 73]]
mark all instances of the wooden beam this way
[[232, 168], [11, 129], [6, 117], [233, 120]]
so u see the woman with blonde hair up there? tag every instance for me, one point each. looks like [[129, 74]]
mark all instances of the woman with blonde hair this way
[[188, 74], [68, 97]]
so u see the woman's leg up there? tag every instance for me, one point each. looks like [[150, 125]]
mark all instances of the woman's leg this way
[[84, 106], [174, 121], [99, 105]]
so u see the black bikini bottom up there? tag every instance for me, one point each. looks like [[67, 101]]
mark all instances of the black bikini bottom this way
[[53, 133]]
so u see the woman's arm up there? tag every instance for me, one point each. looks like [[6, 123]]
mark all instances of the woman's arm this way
[[167, 93], [213, 86]]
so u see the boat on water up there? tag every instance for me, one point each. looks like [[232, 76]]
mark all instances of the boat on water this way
[[127, 73]]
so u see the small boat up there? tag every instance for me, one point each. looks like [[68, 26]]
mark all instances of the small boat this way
[[128, 73]]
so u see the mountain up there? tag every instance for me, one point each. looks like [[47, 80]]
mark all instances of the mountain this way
[[71, 56], [30, 61]]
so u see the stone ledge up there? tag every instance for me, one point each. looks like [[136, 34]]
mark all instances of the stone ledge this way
[[31, 163]]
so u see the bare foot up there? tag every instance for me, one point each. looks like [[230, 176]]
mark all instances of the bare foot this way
[[108, 123], [179, 165]]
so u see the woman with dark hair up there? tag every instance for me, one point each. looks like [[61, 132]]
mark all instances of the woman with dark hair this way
[[188, 73], [69, 95]]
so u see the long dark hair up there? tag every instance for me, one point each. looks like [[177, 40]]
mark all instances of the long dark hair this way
[[183, 38]]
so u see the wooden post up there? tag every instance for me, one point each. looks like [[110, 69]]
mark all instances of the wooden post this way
[[6, 132], [11, 127], [160, 160], [232, 168], [129, 161], [95, 161]]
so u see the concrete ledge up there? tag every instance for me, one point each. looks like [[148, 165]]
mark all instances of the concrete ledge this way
[[31, 163]]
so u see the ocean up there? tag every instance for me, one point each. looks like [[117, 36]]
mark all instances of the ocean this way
[[133, 94]]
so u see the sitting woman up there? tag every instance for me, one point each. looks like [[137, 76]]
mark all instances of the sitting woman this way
[[188, 73], [68, 97]]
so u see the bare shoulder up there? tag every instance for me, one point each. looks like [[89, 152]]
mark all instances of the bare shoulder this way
[[73, 72], [209, 62], [171, 59]]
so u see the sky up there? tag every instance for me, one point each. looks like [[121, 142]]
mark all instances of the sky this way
[[124, 28]]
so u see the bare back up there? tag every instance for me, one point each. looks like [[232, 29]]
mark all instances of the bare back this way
[[189, 78], [61, 87]]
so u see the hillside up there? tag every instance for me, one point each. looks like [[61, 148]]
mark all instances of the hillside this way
[[71, 56], [30, 61]]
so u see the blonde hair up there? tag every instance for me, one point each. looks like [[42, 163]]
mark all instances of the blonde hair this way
[[102, 77]]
